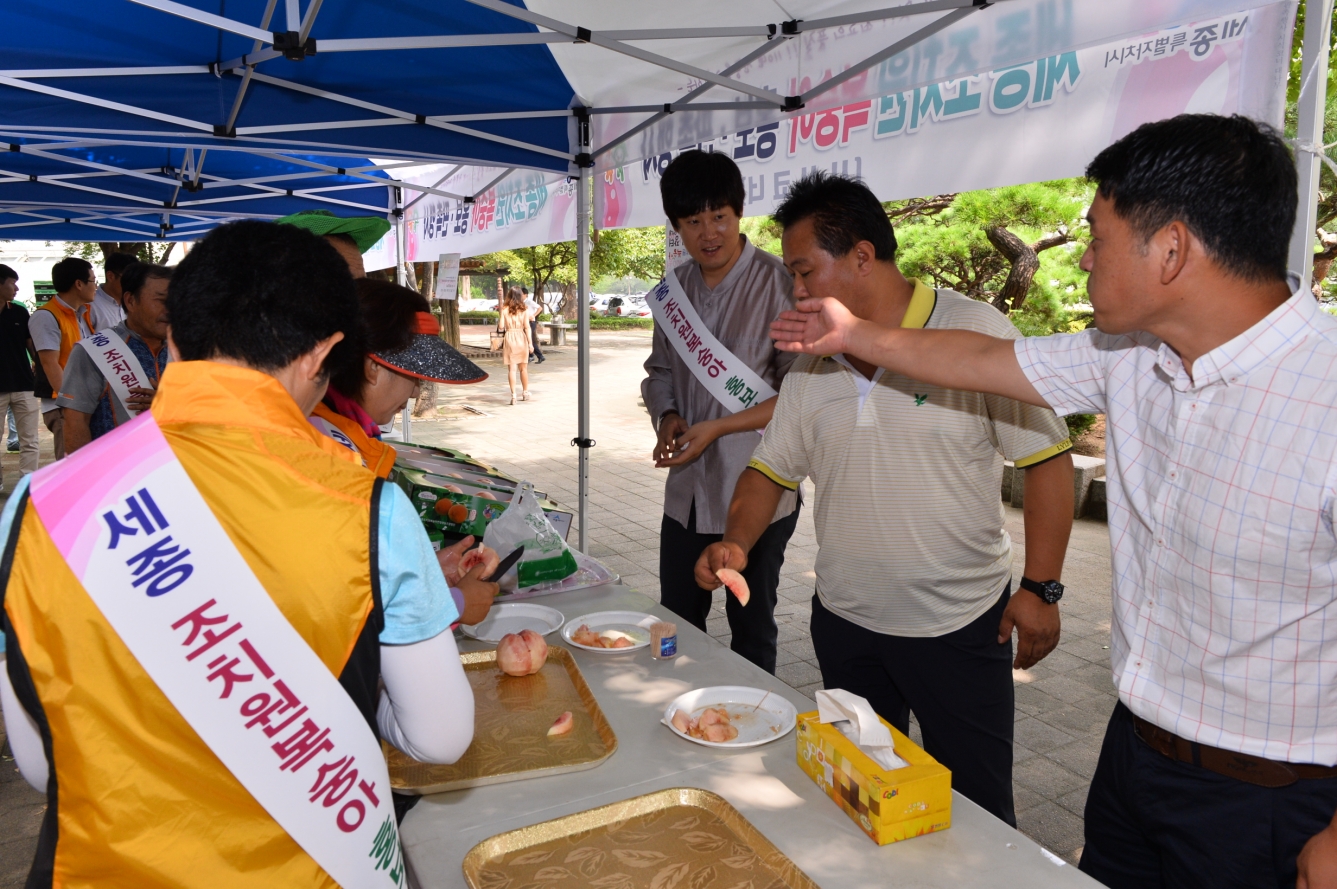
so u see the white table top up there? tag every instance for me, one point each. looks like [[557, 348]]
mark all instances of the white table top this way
[[764, 783]]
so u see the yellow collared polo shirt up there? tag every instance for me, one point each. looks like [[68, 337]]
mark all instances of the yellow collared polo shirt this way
[[907, 479]]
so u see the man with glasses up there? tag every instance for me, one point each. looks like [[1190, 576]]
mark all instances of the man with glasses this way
[[55, 327]]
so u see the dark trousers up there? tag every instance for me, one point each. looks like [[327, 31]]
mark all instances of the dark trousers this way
[[534, 337], [1153, 822], [958, 685], [754, 632]]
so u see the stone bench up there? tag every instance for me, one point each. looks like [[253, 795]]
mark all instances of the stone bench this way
[[1088, 480], [557, 331]]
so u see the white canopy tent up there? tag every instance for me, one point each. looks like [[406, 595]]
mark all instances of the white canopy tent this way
[[585, 88]]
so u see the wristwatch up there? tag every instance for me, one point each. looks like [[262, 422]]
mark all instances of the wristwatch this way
[[1050, 590]]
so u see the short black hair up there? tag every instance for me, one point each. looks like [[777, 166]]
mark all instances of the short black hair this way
[[117, 262], [843, 211], [390, 316], [1231, 180], [136, 274], [7, 274], [696, 181], [68, 272], [264, 294]]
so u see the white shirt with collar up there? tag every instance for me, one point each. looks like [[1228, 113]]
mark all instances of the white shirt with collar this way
[[107, 311], [1221, 493]]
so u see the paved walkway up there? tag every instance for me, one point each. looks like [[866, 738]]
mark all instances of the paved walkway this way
[[1062, 704]]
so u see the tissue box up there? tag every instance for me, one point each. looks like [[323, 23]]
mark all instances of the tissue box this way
[[887, 805]]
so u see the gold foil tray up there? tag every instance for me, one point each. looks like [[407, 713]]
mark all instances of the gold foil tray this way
[[512, 715], [681, 838]]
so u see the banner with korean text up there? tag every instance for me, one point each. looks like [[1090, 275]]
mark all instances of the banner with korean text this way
[[520, 209], [981, 127], [722, 373], [149, 551]]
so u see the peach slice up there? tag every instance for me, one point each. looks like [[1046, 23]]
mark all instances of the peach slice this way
[[735, 583], [563, 725]]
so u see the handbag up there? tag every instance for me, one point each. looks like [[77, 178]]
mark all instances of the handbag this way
[[496, 337]]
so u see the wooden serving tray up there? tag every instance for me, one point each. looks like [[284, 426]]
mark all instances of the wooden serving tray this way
[[683, 838], [512, 715]]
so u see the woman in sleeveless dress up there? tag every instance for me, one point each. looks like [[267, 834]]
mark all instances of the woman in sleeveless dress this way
[[513, 324]]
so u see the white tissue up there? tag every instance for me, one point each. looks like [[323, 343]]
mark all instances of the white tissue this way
[[860, 725]]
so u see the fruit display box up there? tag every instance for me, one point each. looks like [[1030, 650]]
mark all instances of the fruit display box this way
[[445, 505], [887, 804]]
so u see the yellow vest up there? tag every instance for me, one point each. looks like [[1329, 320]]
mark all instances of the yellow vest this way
[[378, 456], [138, 800], [68, 321]]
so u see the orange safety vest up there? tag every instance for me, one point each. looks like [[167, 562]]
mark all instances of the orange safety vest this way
[[68, 319], [378, 456], [136, 799]]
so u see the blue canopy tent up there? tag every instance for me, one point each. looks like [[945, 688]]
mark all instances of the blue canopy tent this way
[[551, 85], [131, 193]]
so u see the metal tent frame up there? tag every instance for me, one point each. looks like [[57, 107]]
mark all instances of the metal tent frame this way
[[313, 123]]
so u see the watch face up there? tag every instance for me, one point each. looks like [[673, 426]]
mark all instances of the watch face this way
[[1050, 591]]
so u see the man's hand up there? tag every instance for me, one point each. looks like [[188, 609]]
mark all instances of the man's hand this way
[[670, 427], [691, 444], [1318, 860], [478, 595], [717, 556], [140, 399], [815, 326], [1037, 624]]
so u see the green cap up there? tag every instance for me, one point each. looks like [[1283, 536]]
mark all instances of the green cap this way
[[364, 230]]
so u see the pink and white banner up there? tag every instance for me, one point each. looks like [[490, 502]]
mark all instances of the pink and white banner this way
[[981, 128], [521, 209]]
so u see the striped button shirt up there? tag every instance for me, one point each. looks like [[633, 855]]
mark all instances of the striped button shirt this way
[[1221, 495]]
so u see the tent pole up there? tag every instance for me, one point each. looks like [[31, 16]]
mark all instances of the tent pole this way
[[583, 353], [1309, 134], [400, 258]]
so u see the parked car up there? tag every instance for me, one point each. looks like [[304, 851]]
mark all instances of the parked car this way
[[635, 307]]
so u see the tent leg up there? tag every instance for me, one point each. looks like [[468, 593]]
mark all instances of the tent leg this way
[[1309, 134], [583, 354], [401, 279]]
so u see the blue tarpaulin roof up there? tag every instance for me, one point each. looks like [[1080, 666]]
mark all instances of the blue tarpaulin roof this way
[[127, 193], [279, 108]]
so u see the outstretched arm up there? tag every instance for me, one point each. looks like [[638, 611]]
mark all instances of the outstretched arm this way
[[954, 359], [755, 499]]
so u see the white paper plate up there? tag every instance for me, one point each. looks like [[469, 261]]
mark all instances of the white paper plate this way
[[512, 617], [635, 625], [774, 719]]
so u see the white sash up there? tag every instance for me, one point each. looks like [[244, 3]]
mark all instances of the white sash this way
[[724, 375], [118, 364], [145, 545]]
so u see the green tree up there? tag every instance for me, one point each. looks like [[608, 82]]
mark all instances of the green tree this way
[[628, 253], [1015, 247], [97, 251], [1326, 246]]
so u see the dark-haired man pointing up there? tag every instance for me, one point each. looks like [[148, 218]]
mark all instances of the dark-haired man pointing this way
[[1218, 378]]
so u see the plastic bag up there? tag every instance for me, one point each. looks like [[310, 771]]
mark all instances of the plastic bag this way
[[546, 556]]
